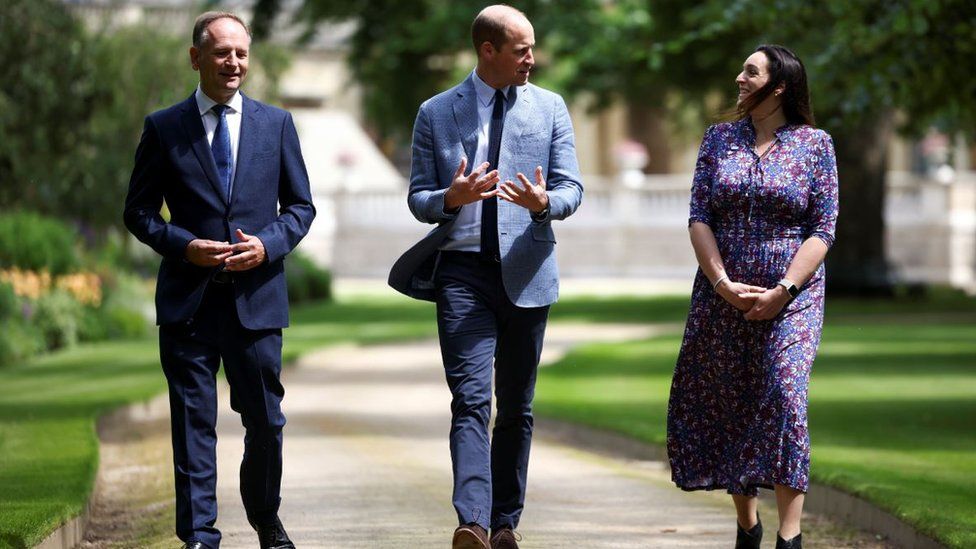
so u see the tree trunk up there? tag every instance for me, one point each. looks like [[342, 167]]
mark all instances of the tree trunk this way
[[857, 264], [646, 125]]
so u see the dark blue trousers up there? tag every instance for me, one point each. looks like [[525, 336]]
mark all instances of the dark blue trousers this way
[[479, 328], [191, 354]]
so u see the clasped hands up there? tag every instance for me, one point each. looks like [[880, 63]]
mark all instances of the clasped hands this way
[[757, 302], [241, 256], [478, 185]]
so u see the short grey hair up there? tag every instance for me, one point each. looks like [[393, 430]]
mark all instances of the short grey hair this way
[[200, 32]]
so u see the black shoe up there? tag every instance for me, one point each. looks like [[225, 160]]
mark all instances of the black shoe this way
[[795, 543], [194, 545], [273, 536], [748, 539]]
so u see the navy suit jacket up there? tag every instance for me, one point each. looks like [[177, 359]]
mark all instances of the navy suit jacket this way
[[174, 163], [538, 132]]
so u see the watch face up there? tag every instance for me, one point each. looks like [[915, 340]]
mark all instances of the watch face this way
[[790, 288]]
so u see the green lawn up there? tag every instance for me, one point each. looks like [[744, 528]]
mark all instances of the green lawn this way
[[892, 404], [48, 407], [905, 371]]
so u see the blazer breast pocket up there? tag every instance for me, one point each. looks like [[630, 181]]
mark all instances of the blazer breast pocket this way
[[264, 154], [535, 134]]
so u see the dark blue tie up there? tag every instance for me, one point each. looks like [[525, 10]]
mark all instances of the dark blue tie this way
[[489, 206], [220, 146]]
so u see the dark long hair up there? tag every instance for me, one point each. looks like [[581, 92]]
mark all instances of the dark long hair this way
[[784, 67]]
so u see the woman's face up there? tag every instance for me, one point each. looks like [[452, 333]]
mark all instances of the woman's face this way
[[754, 75]]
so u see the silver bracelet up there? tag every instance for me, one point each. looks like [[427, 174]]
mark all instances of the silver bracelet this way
[[719, 281]]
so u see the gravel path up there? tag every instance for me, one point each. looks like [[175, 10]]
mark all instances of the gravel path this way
[[367, 463]]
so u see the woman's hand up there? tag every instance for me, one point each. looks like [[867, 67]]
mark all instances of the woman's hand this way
[[735, 293], [766, 304]]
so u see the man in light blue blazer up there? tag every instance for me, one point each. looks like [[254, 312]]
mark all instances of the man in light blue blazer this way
[[490, 263]]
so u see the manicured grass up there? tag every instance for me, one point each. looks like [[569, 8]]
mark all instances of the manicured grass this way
[[48, 407], [892, 404], [905, 371]]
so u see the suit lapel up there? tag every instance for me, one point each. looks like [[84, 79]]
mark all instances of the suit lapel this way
[[466, 117], [516, 119], [197, 137], [246, 145], [515, 123]]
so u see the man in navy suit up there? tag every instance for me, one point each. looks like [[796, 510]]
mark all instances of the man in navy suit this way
[[223, 163], [490, 264]]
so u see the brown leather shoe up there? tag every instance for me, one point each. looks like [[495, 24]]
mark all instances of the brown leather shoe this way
[[470, 536], [504, 538]]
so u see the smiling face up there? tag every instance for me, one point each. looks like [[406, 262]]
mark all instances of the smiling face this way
[[222, 59], [754, 75], [512, 63]]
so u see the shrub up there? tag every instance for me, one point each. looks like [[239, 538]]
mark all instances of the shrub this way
[[111, 322], [121, 252], [306, 280], [18, 341], [124, 313], [57, 318], [8, 301], [34, 242]]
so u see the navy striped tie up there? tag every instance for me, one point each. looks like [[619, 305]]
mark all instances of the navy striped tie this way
[[220, 146]]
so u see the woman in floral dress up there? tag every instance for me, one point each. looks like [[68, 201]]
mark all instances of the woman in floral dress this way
[[763, 212]]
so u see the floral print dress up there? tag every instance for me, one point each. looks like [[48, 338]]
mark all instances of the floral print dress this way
[[737, 416]]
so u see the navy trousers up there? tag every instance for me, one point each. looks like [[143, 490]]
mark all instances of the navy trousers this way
[[479, 327], [191, 354]]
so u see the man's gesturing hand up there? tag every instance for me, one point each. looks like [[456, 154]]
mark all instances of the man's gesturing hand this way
[[207, 253], [249, 253], [532, 197], [466, 189]]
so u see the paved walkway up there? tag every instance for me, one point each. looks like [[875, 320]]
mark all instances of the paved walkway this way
[[367, 464]]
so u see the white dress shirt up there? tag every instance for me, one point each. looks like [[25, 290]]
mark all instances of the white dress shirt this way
[[210, 119], [466, 234]]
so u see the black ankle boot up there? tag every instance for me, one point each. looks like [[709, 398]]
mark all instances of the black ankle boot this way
[[748, 539], [795, 543]]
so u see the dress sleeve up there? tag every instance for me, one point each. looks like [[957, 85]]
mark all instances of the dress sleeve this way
[[821, 219], [701, 186]]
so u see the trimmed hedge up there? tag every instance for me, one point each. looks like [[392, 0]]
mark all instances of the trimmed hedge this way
[[32, 242], [306, 280]]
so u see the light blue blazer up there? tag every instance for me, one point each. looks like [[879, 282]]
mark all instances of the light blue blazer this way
[[538, 132]]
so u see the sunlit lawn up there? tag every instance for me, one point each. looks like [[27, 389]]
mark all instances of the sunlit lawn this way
[[892, 404], [893, 411], [48, 408]]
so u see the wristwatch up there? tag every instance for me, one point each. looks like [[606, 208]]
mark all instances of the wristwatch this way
[[541, 216], [790, 288]]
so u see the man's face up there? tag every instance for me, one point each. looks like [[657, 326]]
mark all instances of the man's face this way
[[222, 58], [513, 63]]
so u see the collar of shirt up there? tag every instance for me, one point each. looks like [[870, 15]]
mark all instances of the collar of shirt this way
[[486, 93], [204, 103], [747, 132]]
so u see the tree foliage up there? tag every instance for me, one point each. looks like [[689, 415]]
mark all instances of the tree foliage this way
[[864, 58], [868, 62], [73, 101], [401, 53], [46, 96]]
